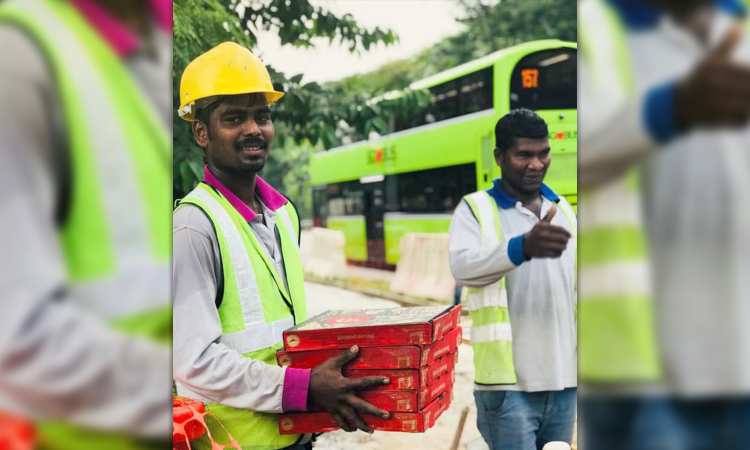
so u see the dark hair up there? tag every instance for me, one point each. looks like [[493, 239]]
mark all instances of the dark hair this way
[[203, 113], [518, 123], [206, 106]]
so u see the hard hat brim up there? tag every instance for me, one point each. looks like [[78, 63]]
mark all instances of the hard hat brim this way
[[187, 112]]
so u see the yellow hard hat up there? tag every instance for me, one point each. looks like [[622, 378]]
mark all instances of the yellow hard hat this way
[[227, 69]]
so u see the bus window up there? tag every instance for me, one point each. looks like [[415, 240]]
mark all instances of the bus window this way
[[434, 190], [342, 199], [320, 206], [391, 193], [465, 95], [445, 101], [476, 91], [545, 80]]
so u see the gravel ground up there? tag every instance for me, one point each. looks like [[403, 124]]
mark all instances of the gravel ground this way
[[439, 437]]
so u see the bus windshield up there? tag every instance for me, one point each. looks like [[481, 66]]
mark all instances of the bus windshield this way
[[545, 80]]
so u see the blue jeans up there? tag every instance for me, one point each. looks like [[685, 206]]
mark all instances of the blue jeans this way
[[513, 420], [662, 423]]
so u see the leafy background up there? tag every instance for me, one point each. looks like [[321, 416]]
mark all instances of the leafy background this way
[[312, 116]]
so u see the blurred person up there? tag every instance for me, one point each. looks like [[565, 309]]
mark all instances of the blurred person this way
[[84, 137], [237, 276], [664, 155], [513, 249]]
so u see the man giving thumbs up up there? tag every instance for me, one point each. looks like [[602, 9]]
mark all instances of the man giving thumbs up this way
[[513, 248]]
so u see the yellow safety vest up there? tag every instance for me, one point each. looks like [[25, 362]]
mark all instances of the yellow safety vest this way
[[616, 341], [116, 237], [491, 332], [255, 309]]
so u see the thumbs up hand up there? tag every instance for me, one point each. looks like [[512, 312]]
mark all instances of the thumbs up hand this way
[[550, 214], [717, 91], [546, 240], [723, 51]]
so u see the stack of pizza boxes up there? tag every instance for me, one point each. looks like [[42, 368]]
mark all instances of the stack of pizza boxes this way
[[416, 348]]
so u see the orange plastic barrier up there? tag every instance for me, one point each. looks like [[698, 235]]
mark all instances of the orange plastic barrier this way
[[16, 433], [189, 424]]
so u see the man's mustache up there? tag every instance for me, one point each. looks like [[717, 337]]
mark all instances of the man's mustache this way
[[251, 142]]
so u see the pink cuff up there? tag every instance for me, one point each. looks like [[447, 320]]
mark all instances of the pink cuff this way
[[296, 384]]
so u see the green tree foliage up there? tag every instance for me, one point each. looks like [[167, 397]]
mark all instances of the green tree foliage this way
[[489, 26], [492, 26], [311, 116], [299, 22], [307, 112]]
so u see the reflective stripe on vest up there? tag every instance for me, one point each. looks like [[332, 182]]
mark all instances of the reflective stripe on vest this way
[[491, 333], [602, 34], [617, 341], [253, 311], [116, 236], [288, 216], [256, 334]]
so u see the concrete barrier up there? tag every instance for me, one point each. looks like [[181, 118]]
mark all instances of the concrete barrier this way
[[322, 252], [423, 270]]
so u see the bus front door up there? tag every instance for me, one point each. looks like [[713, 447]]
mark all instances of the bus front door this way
[[374, 216]]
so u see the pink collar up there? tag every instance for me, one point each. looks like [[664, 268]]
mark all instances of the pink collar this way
[[270, 196], [120, 38]]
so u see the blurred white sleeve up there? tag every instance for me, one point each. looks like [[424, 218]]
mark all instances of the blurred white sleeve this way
[[611, 131], [56, 360]]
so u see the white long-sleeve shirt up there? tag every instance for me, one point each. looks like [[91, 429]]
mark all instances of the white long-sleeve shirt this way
[[693, 189], [204, 367], [541, 294], [58, 360]]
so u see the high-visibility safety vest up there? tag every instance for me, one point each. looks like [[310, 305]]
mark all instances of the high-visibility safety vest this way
[[256, 307], [116, 237], [617, 341], [491, 332]]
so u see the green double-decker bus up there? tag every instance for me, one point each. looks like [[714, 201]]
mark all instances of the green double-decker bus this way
[[377, 190]]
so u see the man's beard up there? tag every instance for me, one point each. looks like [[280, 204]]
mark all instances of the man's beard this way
[[251, 141], [256, 164]]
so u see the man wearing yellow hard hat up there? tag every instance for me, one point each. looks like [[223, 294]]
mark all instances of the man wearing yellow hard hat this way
[[237, 276]]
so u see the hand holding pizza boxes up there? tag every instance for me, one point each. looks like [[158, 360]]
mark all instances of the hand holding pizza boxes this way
[[416, 348]]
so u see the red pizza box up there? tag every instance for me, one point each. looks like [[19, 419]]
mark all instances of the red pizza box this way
[[428, 375], [400, 379], [402, 357], [409, 422], [408, 400], [441, 386], [449, 344], [395, 401], [419, 325], [408, 379]]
